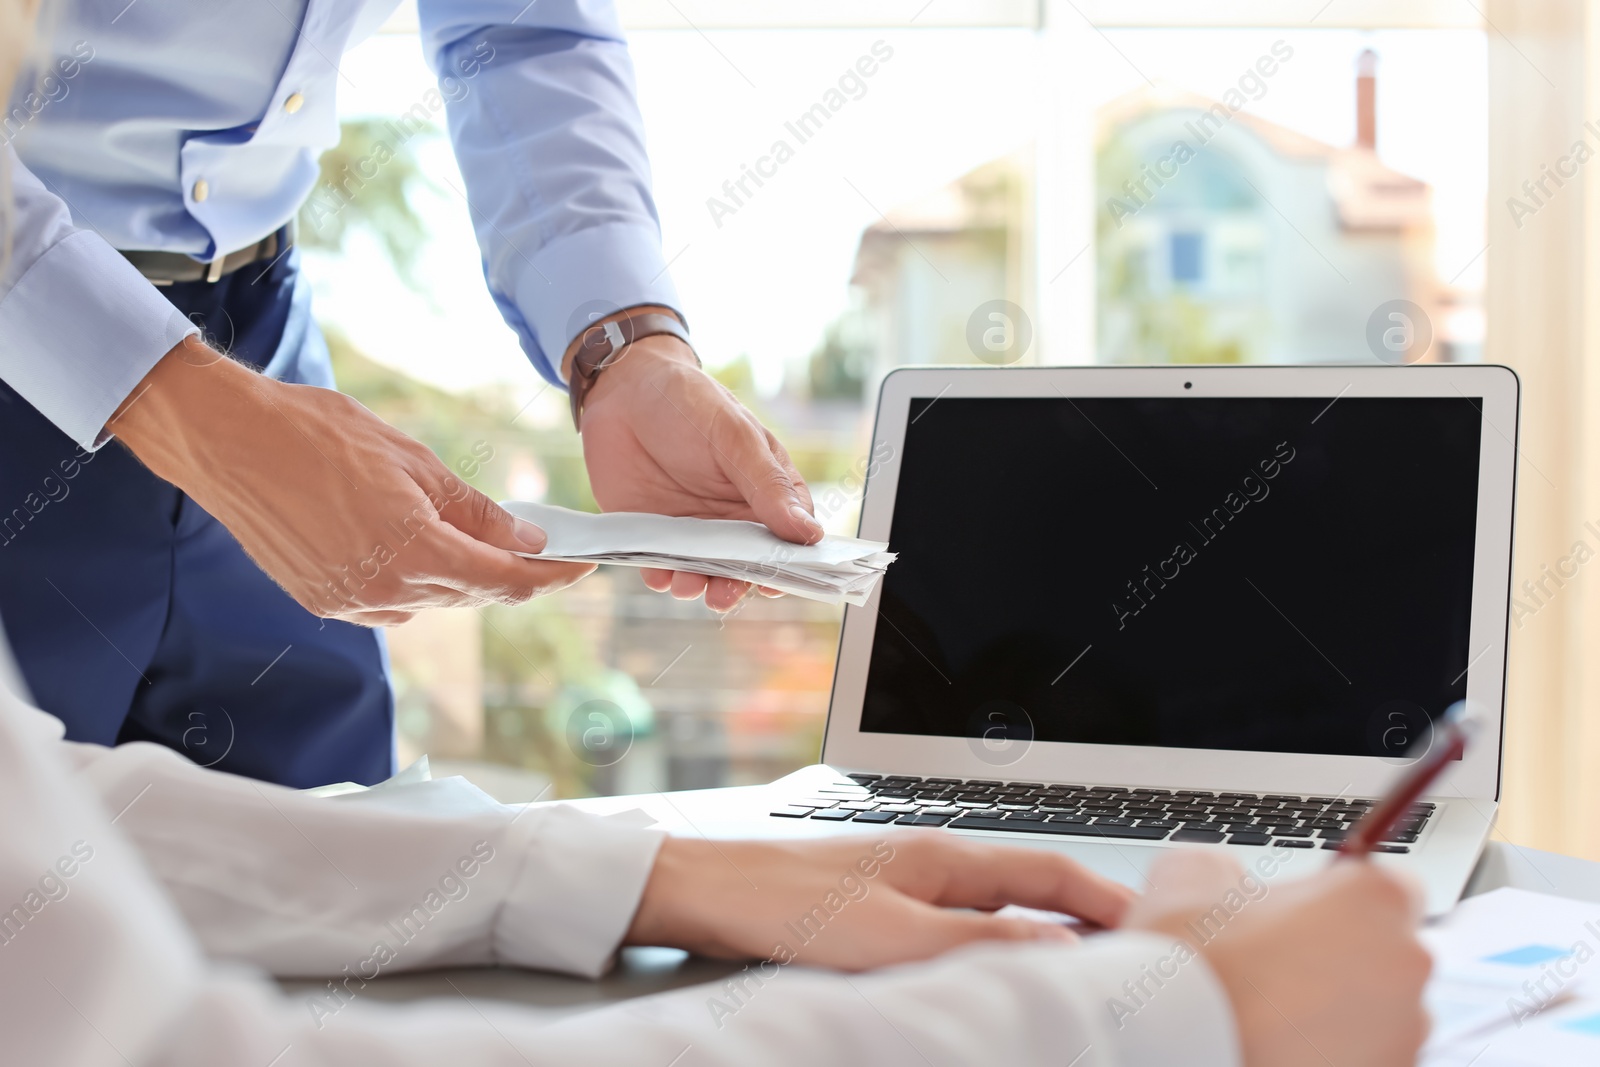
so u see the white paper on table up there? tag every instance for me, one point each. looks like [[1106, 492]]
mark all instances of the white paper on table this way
[[832, 570], [1564, 1035], [1505, 963]]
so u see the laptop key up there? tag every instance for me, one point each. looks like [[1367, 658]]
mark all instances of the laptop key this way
[[1333, 835], [1114, 821], [1052, 827], [1160, 824], [875, 816], [1294, 842], [923, 820], [943, 810], [1392, 849], [1248, 839], [832, 815], [1136, 833], [1071, 820], [1401, 838], [1027, 816], [1199, 837], [791, 812], [1293, 831]]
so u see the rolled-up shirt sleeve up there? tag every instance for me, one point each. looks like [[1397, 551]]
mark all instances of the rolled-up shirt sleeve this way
[[79, 326], [548, 133]]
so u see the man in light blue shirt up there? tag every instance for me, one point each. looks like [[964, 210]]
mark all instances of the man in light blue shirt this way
[[173, 144]]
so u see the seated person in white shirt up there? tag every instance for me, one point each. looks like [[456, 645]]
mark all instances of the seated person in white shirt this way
[[141, 897]]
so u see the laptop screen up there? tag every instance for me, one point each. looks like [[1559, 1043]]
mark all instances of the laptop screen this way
[[1263, 574]]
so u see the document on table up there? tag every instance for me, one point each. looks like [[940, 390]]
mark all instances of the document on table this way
[[834, 569], [1515, 982]]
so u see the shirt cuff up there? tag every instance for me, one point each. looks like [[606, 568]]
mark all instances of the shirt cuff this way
[[576, 894], [1161, 1001], [81, 329], [583, 276]]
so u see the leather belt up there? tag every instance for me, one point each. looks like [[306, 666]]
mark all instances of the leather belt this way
[[168, 268]]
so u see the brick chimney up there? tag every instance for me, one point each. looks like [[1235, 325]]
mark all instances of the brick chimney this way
[[1367, 100]]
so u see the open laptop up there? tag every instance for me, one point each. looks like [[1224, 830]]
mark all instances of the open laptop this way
[[1137, 608]]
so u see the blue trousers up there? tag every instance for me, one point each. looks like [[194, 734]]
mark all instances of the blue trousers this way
[[136, 616]]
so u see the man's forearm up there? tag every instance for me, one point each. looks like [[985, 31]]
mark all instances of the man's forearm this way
[[192, 394]]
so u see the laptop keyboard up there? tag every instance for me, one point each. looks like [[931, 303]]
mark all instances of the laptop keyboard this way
[[1183, 815]]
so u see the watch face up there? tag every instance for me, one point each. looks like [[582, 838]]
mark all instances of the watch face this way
[[602, 344]]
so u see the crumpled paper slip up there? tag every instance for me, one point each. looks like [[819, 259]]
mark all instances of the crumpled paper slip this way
[[834, 570]]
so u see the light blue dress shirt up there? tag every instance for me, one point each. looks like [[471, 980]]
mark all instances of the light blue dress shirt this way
[[194, 126]]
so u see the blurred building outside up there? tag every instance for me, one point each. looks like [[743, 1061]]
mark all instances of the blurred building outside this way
[[1218, 240]]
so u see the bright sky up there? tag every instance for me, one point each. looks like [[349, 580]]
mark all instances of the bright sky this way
[[946, 102]]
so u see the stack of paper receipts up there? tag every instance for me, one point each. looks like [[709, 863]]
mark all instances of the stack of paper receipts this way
[[834, 569]]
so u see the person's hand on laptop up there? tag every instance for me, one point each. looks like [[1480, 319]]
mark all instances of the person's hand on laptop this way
[[1323, 970], [858, 902], [662, 436]]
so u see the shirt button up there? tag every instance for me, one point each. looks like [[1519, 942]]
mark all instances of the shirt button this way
[[202, 189], [293, 102]]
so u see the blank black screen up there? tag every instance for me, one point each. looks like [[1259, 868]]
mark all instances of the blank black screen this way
[[1274, 575]]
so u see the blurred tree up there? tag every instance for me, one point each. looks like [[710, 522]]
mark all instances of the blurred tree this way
[[367, 183], [837, 367]]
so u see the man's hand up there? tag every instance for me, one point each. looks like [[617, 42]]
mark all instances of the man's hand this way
[[353, 518], [859, 902], [1324, 970], [661, 436]]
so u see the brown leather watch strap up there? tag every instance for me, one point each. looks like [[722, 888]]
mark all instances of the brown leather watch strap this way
[[605, 343]]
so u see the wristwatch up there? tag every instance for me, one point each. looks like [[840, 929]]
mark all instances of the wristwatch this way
[[605, 343]]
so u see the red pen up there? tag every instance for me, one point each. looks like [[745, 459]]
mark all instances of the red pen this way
[[1450, 734]]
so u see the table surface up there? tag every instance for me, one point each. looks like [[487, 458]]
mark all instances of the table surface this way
[[642, 971]]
